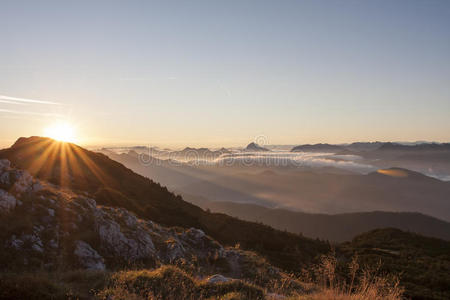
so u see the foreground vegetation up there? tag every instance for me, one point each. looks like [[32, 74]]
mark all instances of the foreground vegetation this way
[[423, 263], [170, 282]]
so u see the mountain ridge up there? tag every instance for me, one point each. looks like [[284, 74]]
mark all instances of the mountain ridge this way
[[332, 227], [111, 183]]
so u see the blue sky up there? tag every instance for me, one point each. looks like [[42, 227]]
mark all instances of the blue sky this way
[[212, 73]]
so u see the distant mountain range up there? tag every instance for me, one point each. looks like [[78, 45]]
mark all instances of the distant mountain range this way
[[372, 146], [432, 159], [317, 148], [186, 155], [393, 197], [303, 189], [416, 147], [337, 228]]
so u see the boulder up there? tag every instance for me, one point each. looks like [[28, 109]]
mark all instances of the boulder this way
[[175, 250], [7, 201], [88, 257], [217, 278], [132, 244], [4, 164], [5, 179], [23, 181], [195, 233], [37, 186], [34, 240]]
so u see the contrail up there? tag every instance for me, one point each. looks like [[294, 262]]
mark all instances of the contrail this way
[[11, 102], [7, 98], [30, 113]]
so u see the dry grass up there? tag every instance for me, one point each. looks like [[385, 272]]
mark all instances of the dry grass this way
[[361, 284], [169, 282]]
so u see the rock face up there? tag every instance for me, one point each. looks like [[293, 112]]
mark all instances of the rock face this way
[[59, 227], [88, 257], [7, 201], [16, 181], [133, 244]]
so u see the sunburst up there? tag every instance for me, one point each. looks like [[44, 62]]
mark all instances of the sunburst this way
[[61, 131]]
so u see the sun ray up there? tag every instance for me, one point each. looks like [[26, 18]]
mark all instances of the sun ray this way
[[95, 170], [42, 159], [64, 175]]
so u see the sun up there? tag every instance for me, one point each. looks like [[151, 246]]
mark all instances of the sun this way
[[61, 131]]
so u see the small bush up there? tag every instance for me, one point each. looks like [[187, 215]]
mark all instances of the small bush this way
[[359, 284]]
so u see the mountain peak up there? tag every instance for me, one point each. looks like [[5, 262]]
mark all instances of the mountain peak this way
[[255, 147], [23, 141]]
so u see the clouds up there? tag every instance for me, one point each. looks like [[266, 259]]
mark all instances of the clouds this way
[[302, 159]]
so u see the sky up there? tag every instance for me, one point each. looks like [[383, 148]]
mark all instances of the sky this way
[[223, 73]]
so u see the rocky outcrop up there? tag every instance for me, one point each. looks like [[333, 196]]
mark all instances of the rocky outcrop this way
[[132, 244], [7, 201], [217, 278], [62, 228], [14, 180], [88, 257]]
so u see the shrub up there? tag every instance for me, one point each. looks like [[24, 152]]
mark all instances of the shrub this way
[[358, 284]]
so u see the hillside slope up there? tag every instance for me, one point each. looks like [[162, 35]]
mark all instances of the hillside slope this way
[[337, 228], [422, 262], [47, 231], [112, 184]]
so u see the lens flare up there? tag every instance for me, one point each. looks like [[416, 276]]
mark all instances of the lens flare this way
[[61, 131]]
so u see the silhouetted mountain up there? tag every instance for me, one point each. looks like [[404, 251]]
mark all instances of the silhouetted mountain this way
[[112, 184], [373, 146], [417, 147], [338, 227], [364, 146], [255, 148], [189, 154], [317, 148]]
